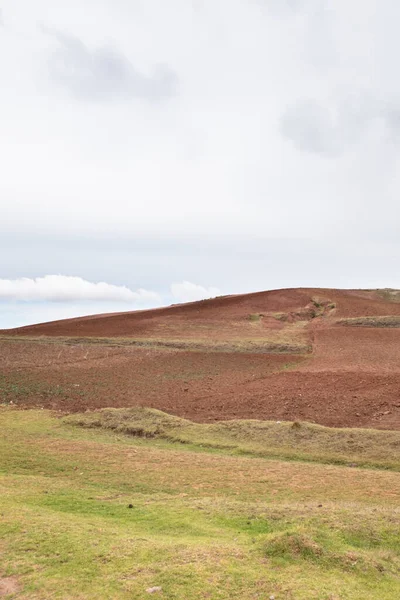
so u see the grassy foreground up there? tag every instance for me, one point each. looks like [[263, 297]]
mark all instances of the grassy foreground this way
[[91, 513]]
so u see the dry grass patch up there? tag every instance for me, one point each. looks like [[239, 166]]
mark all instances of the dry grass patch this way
[[392, 321], [274, 344], [301, 441]]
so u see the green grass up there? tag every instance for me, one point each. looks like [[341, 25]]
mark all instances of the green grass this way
[[204, 523], [18, 386]]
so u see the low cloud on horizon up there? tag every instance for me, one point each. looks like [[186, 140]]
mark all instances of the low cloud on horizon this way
[[25, 301], [63, 288]]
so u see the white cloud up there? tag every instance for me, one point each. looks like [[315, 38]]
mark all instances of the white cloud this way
[[190, 292], [61, 288], [26, 301]]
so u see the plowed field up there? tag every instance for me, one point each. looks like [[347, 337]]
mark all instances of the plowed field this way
[[280, 355]]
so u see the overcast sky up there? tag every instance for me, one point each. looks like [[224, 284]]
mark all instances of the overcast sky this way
[[170, 151]]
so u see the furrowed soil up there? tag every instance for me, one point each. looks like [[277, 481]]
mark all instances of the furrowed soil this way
[[326, 356]]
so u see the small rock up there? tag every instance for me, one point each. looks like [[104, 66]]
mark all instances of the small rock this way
[[130, 505], [154, 590], [272, 598]]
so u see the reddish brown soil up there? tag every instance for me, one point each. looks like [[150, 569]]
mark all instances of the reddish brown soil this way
[[351, 378], [228, 314]]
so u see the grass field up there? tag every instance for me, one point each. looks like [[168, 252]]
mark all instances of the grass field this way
[[239, 510]]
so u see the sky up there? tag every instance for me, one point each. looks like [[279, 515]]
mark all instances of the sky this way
[[159, 152]]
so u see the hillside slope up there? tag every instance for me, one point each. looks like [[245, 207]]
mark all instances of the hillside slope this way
[[321, 355], [227, 315]]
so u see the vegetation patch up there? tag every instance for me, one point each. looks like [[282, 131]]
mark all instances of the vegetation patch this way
[[316, 308], [16, 387], [322, 307], [253, 346], [323, 548], [255, 317], [392, 321], [296, 441], [294, 546], [281, 316], [389, 294]]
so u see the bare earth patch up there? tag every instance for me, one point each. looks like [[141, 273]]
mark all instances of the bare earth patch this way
[[8, 586]]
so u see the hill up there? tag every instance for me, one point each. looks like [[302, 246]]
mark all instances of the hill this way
[[319, 355]]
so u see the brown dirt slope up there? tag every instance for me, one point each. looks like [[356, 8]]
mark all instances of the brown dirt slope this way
[[281, 355], [193, 318]]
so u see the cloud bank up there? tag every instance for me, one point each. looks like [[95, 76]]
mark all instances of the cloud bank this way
[[62, 288], [26, 301]]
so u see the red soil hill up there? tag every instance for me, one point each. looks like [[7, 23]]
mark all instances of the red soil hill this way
[[329, 356]]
